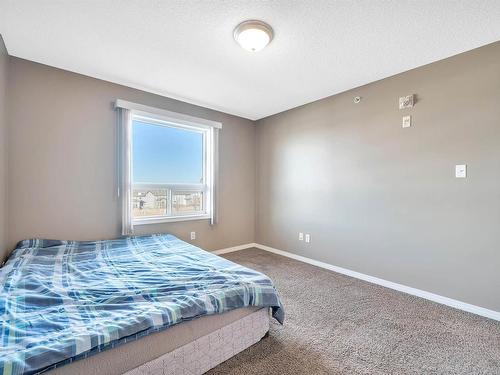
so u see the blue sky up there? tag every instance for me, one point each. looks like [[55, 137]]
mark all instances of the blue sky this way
[[166, 155]]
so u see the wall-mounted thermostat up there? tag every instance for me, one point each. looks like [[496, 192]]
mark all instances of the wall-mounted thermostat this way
[[406, 101]]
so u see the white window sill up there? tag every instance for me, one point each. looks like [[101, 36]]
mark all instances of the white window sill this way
[[169, 219]]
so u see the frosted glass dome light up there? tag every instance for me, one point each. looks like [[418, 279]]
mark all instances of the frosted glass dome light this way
[[253, 35]]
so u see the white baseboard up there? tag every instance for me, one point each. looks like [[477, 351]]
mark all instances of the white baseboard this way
[[234, 248], [495, 315]]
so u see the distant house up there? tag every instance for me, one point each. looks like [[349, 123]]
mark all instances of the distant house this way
[[151, 199]]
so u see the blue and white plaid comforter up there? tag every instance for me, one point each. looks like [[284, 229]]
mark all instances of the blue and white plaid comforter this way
[[65, 300]]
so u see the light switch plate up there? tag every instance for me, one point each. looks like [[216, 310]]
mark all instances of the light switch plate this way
[[301, 236], [308, 238], [406, 121], [461, 171]]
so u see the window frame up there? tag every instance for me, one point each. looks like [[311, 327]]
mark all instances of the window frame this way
[[206, 188]]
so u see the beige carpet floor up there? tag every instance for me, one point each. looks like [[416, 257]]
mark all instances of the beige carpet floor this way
[[340, 325]]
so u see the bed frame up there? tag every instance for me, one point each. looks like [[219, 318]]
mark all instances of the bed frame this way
[[208, 351]]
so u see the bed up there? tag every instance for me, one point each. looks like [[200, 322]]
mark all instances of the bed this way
[[135, 305]]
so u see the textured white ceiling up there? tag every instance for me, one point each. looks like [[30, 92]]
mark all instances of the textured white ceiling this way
[[185, 49]]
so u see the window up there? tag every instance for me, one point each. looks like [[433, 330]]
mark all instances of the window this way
[[169, 170], [168, 162]]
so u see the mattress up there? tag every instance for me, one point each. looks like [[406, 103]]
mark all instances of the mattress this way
[[63, 301]]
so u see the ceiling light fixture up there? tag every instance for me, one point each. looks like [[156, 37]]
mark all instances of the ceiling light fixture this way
[[253, 35]]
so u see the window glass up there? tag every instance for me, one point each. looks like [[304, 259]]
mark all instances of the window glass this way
[[183, 203], [149, 202], [163, 154], [168, 168]]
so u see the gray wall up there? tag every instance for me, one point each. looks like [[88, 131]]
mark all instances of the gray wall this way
[[383, 200], [62, 160], [376, 198], [4, 59]]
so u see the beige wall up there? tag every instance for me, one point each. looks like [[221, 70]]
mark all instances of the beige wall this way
[[62, 160], [376, 198], [4, 59], [383, 200]]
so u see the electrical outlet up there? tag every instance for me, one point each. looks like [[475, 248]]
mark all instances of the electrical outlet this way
[[308, 238], [193, 235], [301, 236]]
